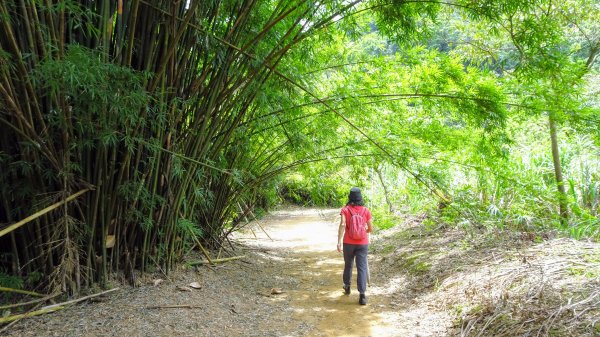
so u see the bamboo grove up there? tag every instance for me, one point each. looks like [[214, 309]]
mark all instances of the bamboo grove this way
[[141, 109]]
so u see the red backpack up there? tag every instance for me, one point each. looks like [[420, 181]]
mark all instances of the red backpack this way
[[356, 226]]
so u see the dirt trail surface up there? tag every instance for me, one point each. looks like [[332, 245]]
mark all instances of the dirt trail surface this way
[[424, 282], [304, 242], [298, 257]]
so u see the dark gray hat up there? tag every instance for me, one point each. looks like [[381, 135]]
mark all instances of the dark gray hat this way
[[355, 195]]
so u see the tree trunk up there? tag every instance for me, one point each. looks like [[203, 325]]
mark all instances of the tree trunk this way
[[385, 190], [562, 194]]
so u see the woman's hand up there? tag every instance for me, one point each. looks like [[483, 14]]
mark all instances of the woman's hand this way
[[339, 247]]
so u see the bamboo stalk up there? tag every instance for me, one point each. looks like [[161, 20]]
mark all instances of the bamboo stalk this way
[[227, 259], [204, 251], [29, 314], [19, 291], [41, 212], [264, 231], [185, 306], [16, 305], [77, 300]]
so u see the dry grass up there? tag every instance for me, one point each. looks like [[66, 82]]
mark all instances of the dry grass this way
[[498, 284]]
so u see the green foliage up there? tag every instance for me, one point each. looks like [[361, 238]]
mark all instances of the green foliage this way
[[581, 229], [10, 281], [414, 263], [406, 20], [584, 272], [103, 99], [33, 279], [383, 220], [326, 191], [187, 227]]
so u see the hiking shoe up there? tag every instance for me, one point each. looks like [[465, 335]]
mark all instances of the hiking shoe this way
[[346, 289], [362, 300]]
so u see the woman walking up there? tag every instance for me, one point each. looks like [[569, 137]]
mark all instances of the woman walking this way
[[353, 240]]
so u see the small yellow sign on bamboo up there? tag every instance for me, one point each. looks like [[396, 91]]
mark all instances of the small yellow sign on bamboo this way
[[110, 241]]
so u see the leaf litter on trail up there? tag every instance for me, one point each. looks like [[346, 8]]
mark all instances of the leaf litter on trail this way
[[195, 285], [277, 291], [184, 288]]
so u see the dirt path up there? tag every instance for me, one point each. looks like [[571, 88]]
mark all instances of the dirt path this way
[[236, 300], [306, 240]]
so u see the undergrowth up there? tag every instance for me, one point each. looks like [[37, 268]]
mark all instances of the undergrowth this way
[[495, 282]]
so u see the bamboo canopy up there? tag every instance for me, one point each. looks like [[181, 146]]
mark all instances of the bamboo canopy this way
[[147, 106]]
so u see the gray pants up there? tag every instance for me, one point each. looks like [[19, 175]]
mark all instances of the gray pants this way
[[360, 253]]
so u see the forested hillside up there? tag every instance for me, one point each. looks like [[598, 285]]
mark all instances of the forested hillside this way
[[135, 131]]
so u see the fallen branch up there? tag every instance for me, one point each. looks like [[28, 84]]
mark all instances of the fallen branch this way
[[29, 314], [264, 231], [79, 299], [37, 302], [7, 326], [19, 291], [185, 306], [16, 305], [204, 252], [40, 213], [227, 259]]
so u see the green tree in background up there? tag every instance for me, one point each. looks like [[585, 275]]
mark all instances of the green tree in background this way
[[526, 56], [545, 52]]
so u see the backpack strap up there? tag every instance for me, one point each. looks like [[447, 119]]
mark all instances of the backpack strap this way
[[363, 212]]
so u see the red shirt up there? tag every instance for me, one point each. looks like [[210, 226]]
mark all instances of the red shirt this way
[[356, 209]]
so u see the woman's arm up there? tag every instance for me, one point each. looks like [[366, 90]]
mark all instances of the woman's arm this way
[[369, 226], [341, 230]]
